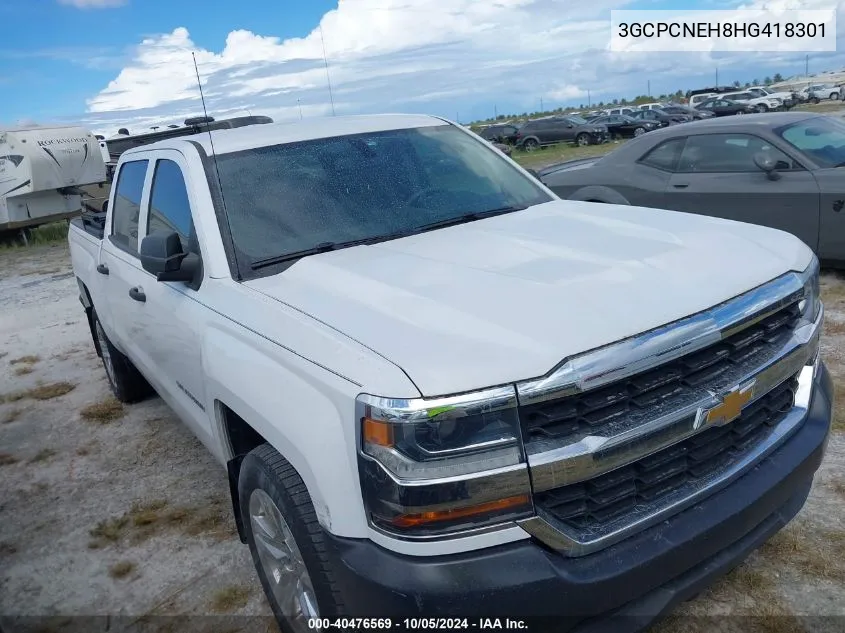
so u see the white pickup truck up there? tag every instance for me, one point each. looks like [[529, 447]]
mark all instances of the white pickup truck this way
[[439, 390]]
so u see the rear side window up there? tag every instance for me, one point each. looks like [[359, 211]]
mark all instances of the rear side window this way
[[170, 209], [665, 156], [127, 205]]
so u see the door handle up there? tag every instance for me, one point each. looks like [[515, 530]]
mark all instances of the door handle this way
[[137, 293], [681, 185], [102, 269]]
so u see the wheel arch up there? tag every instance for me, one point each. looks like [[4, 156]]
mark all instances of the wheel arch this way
[[599, 193]]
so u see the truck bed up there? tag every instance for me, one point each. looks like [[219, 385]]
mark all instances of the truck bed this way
[[91, 222]]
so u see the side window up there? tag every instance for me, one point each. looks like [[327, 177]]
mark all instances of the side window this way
[[127, 205], [170, 209], [665, 156], [728, 153]]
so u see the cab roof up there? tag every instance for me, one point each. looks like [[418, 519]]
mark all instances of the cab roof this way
[[237, 139]]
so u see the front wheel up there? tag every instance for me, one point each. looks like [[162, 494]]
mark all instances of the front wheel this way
[[834, 96], [739, 112], [762, 108], [286, 541], [530, 144], [639, 131], [582, 140]]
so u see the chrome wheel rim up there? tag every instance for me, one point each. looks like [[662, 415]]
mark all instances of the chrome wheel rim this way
[[582, 141], [282, 561], [104, 352], [639, 131]]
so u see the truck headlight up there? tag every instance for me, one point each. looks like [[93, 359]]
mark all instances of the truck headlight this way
[[433, 466], [811, 303]]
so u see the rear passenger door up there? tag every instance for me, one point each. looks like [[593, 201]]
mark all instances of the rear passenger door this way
[[172, 327], [716, 175]]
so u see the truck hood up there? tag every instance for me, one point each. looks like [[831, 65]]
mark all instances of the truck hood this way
[[508, 298]]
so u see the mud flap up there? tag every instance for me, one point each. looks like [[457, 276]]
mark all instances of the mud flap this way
[[233, 466]]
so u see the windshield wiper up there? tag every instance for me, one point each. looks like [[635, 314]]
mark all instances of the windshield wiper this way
[[325, 247], [322, 247], [463, 219]]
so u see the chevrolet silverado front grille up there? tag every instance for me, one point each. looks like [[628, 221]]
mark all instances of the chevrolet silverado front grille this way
[[628, 403], [621, 437], [594, 504]]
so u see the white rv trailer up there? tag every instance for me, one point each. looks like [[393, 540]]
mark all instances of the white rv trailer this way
[[41, 169]]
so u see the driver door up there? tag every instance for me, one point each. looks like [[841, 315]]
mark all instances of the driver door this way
[[716, 175]]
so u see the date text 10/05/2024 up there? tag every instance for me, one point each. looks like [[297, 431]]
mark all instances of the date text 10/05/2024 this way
[[435, 624]]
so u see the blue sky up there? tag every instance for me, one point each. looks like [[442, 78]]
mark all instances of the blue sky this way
[[110, 63]]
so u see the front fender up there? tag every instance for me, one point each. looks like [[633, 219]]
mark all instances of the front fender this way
[[599, 193], [303, 410]]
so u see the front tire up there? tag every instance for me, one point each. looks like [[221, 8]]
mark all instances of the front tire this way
[[530, 144], [834, 96], [286, 541], [639, 131], [582, 140], [126, 382], [762, 108]]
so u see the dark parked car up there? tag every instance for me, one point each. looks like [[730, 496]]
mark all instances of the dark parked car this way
[[558, 129], [505, 133], [726, 107], [623, 126], [687, 110], [658, 115], [784, 170]]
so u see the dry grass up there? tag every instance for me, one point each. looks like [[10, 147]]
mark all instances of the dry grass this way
[[22, 371], [40, 392], [146, 513], [108, 531], [838, 487], [42, 456], [7, 459], [105, 411], [797, 548], [230, 599], [122, 569], [833, 328], [838, 423], [147, 519], [12, 415], [25, 360]]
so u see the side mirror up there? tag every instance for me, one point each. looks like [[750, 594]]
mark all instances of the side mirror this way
[[162, 255], [766, 162]]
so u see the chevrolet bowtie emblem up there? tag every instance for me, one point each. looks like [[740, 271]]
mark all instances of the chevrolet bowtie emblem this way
[[728, 410]]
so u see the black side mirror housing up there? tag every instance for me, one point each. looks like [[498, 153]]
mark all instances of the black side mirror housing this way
[[162, 255], [766, 162]]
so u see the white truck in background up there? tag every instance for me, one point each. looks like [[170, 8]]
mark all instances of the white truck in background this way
[[441, 391], [41, 171]]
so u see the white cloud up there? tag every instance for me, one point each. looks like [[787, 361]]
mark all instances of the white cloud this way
[[436, 55], [94, 4]]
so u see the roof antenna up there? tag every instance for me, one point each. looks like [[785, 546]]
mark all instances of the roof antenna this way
[[213, 153]]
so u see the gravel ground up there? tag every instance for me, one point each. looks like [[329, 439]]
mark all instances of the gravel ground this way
[[121, 513]]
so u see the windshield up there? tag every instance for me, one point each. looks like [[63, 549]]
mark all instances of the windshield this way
[[820, 138], [577, 120], [283, 199]]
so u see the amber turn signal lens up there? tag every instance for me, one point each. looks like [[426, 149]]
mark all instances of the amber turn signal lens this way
[[414, 520], [378, 432]]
